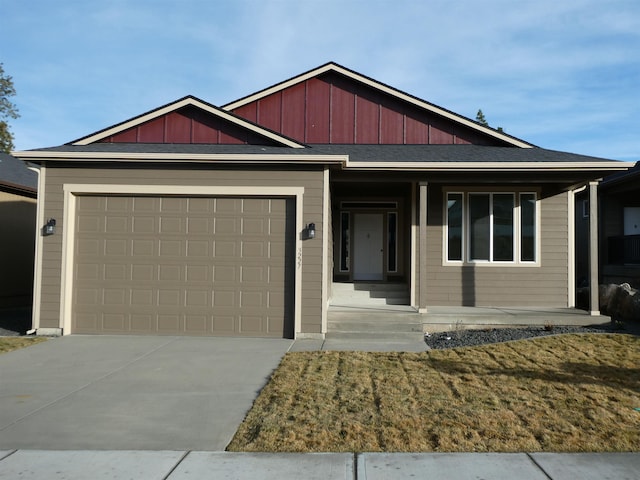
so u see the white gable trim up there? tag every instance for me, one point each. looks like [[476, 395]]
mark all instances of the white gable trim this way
[[187, 101], [383, 88]]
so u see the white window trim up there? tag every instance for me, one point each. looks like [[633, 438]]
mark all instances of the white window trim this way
[[395, 260], [536, 253], [445, 239], [342, 246], [517, 221]]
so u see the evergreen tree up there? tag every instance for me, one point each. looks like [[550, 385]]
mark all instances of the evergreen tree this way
[[480, 119], [7, 110]]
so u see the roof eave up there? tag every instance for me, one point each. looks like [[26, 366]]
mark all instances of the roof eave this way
[[39, 156]]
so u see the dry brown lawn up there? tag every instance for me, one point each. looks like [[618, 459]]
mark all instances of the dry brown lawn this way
[[569, 393], [8, 344]]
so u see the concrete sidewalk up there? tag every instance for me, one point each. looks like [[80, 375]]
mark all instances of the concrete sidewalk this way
[[177, 465]]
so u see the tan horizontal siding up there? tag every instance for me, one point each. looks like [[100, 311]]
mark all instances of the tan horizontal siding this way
[[492, 285]]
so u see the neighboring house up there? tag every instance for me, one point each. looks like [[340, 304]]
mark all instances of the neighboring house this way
[[18, 188], [198, 220], [619, 234]]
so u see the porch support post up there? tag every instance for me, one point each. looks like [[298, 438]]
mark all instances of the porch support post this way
[[594, 289], [422, 248]]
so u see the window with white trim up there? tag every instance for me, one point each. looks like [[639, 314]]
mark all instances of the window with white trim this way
[[491, 227]]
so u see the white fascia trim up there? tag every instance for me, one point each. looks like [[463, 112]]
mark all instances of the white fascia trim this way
[[71, 191], [182, 157], [488, 166], [180, 104], [378, 86]]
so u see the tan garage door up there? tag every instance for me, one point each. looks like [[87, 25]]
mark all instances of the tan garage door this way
[[184, 266]]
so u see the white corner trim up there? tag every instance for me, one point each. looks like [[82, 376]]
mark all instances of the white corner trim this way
[[571, 242], [326, 201], [414, 240], [71, 191], [37, 264]]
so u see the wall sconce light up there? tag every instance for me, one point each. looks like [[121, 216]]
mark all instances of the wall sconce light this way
[[311, 230], [49, 227]]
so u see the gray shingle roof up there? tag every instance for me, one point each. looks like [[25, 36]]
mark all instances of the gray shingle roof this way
[[15, 174], [356, 153]]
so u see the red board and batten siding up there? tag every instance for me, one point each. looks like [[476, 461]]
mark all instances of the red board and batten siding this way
[[332, 109], [187, 125], [328, 109]]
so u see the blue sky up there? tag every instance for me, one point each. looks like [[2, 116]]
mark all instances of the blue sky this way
[[562, 75]]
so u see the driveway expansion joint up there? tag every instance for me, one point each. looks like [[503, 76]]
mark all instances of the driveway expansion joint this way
[[533, 460]]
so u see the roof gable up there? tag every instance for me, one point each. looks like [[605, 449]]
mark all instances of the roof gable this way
[[332, 104], [188, 120]]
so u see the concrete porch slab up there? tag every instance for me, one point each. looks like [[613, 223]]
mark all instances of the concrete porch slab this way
[[447, 318]]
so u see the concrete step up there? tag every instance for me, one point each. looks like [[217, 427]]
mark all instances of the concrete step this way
[[369, 286], [354, 326], [365, 293], [400, 324], [383, 336]]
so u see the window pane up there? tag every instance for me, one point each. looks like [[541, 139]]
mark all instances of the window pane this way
[[503, 204], [344, 242], [454, 226], [392, 241], [479, 226], [528, 227]]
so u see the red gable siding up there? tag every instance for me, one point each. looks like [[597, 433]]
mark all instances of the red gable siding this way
[[188, 125], [332, 108]]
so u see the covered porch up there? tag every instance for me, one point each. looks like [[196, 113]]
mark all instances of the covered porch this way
[[400, 220]]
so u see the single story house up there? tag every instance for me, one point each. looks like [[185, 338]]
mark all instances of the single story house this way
[[193, 219], [17, 243]]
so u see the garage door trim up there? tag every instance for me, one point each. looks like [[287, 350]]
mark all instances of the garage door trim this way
[[71, 191]]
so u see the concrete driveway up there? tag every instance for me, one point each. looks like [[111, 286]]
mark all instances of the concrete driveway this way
[[132, 393]]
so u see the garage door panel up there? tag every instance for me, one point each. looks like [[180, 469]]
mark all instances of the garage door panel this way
[[222, 298], [141, 323], [142, 297], [143, 272], [197, 324], [114, 322], [146, 205], [169, 324], [88, 296], [224, 324], [117, 224], [118, 204], [198, 248], [211, 266], [173, 205]]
